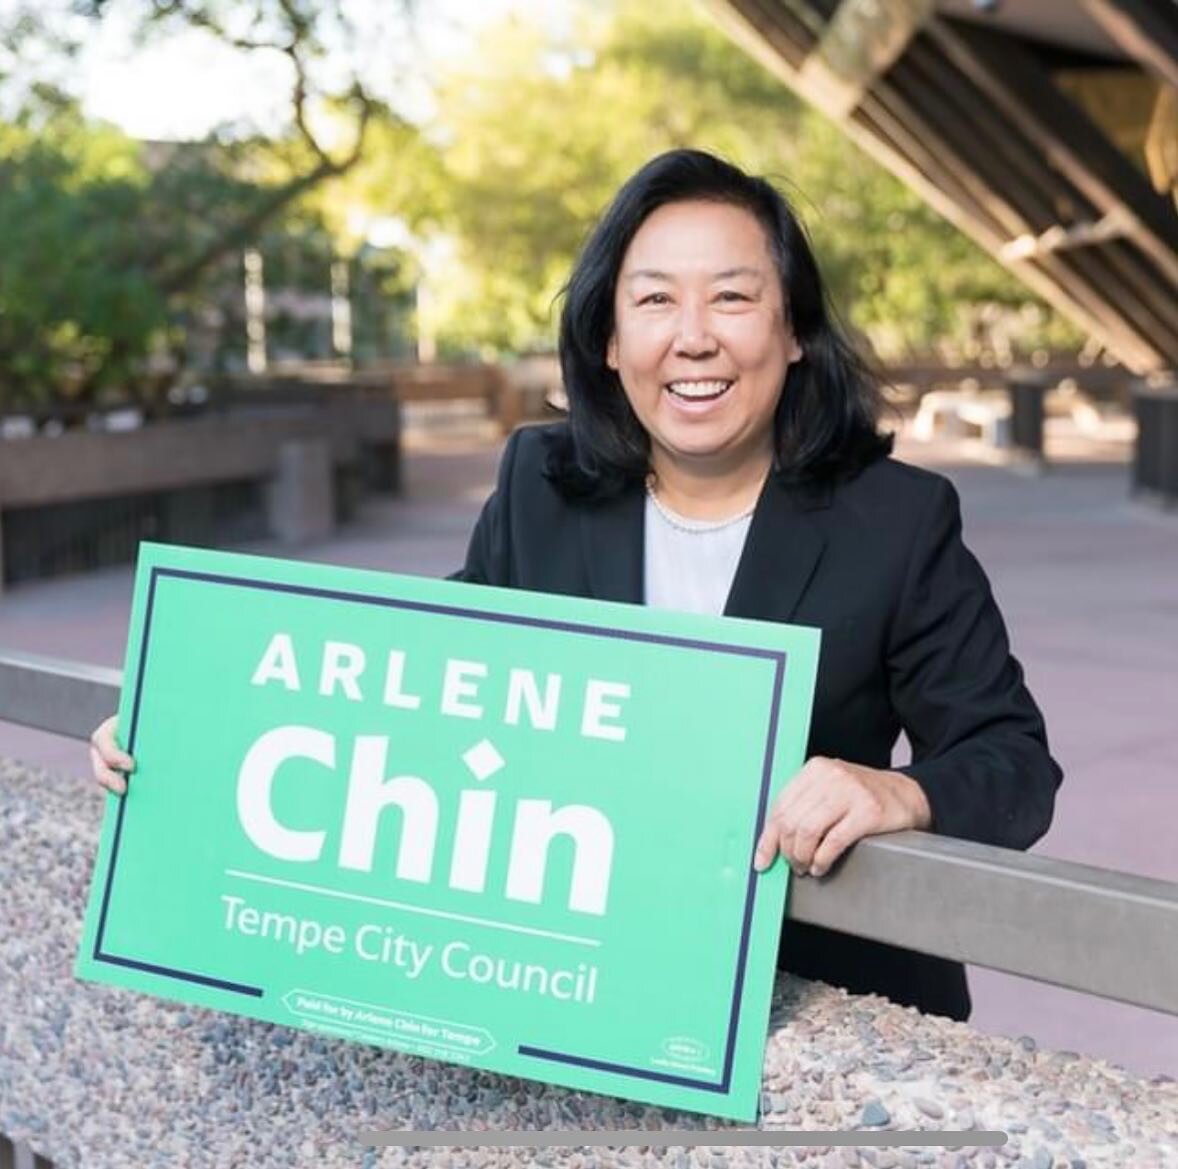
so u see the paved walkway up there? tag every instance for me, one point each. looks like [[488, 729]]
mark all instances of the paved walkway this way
[[1087, 579]]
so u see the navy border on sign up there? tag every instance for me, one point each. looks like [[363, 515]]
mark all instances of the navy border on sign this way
[[778, 657]]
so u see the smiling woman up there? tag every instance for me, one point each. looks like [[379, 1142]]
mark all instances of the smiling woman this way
[[701, 345], [722, 455]]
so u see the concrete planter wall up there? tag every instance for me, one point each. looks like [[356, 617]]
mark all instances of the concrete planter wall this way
[[297, 465]]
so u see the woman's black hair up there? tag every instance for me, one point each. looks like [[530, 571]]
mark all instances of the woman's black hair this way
[[826, 425]]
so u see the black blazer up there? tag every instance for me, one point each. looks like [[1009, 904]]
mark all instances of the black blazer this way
[[911, 640]]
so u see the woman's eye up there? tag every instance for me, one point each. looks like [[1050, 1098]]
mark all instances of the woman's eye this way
[[730, 296], [654, 298]]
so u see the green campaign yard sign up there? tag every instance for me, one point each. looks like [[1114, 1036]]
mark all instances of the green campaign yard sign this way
[[487, 826]]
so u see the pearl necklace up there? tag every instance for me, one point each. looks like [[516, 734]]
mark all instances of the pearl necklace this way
[[694, 527]]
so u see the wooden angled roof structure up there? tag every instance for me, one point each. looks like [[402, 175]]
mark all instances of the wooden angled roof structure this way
[[1047, 130]]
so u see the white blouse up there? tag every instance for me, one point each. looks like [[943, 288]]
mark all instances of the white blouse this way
[[689, 564]]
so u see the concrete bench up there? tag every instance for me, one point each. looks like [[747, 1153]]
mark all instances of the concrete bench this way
[[954, 412], [508, 394], [485, 384], [1014, 418]]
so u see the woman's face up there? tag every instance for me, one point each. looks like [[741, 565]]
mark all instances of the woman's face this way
[[701, 342]]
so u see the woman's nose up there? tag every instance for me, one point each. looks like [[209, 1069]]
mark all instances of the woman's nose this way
[[693, 335]]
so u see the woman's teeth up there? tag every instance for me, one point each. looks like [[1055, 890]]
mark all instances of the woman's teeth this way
[[698, 391]]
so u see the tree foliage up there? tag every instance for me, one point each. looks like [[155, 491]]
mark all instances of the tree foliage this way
[[116, 248], [76, 303], [300, 32], [117, 252], [535, 138]]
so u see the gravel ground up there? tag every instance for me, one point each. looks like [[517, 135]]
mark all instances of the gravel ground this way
[[95, 1077]]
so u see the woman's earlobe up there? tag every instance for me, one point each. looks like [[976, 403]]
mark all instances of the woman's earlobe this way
[[611, 355]]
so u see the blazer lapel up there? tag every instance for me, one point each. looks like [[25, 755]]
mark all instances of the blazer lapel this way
[[783, 548], [612, 536]]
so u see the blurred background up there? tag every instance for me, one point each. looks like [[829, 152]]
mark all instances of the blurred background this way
[[426, 173], [280, 275]]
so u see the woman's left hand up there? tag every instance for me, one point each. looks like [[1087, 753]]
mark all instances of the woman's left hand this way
[[831, 804]]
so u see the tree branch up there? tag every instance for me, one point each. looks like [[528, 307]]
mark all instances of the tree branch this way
[[296, 40], [237, 235], [199, 17]]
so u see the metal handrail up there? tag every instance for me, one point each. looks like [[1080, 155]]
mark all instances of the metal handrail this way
[[1096, 930]]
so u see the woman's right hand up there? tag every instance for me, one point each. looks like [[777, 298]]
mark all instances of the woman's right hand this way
[[107, 760]]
